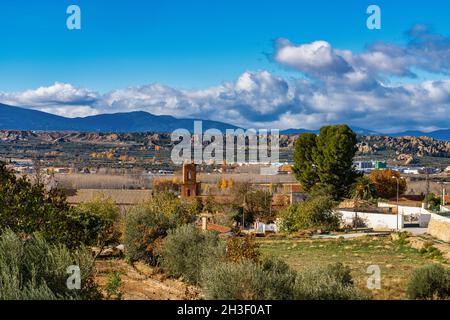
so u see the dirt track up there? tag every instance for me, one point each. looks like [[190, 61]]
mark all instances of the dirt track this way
[[140, 282]]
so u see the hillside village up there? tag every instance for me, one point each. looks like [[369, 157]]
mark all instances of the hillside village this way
[[372, 204]]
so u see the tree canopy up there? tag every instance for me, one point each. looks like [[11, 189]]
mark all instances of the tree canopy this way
[[385, 182], [326, 159]]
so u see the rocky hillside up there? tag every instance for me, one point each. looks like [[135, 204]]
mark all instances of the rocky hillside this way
[[414, 146], [402, 147]]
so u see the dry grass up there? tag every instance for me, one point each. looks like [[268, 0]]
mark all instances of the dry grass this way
[[141, 282], [119, 197], [396, 261], [102, 181]]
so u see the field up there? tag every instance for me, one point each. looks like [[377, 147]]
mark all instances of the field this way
[[396, 261]]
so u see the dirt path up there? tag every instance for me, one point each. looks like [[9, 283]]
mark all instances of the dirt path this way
[[141, 282]]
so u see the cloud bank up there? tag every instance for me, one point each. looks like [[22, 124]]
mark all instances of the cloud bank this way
[[334, 86]]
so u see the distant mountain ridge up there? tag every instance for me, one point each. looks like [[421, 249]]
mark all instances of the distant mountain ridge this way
[[438, 134], [17, 118]]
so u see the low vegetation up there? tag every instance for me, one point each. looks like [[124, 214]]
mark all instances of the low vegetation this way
[[429, 282], [395, 259], [34, 269], [186, 250], [314, 213], [147, 224]]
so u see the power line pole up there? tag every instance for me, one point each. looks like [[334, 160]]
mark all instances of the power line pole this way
[[428, 190]]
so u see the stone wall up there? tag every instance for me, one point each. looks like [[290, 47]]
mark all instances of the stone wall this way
[[439, 227]]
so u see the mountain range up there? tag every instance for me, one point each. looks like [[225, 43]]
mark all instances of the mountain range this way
[[16, 118]]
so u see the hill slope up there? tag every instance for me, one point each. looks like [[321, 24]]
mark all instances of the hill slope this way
[[15, 118]]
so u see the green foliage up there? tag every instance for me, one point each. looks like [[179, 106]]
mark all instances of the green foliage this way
[[35, 269], [429, 282], [434, 202], [363, 189], [246, 280], [28, 208], [98, 219], [304, 163], [142, 229], [274, 280], [147, 224], [186, 250], [326, 159], [333, 282], [242, 248], [113, 286], [315, 212], [253, 203], [431, 253]]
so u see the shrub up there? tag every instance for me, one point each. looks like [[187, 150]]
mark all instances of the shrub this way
[[35, 269], [280, 280], [99, 218], [316, 212], [186, 250], [147, 224], [431, 252], [429, 282], [142, 229], [27, 207], [245, 280], [242, 248], [113, 286], [333, 282], [274, 280]]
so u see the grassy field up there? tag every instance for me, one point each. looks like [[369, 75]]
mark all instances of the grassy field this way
[[396, 261]]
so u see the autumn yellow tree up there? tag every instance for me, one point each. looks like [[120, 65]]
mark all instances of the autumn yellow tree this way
[[385, 182], [230, 184], [223, 184]]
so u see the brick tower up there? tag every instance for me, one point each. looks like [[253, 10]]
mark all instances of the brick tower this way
[[189, 184]]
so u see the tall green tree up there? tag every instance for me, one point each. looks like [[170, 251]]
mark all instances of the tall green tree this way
[[304, 168], [327, 159]]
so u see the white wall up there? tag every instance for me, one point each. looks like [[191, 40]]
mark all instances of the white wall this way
[[376, 221], [424, 215], [424, 220]]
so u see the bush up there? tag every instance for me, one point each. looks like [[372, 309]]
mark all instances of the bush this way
[[280, 280], [186, 250], [245, 280], [429, 282], [99, 218], [27, 207], [316, 212], [113, 286], [147, 224], [274, 280], [35, 269], [242, 248], [330, 283], [142, 229]]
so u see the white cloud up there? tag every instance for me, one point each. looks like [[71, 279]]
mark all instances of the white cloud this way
[[342, 87], [316, 58], [59, 98]]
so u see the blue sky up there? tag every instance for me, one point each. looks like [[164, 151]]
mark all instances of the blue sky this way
[[189, 47]]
